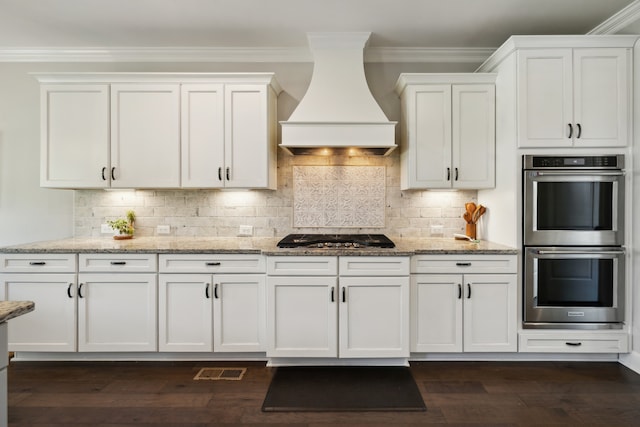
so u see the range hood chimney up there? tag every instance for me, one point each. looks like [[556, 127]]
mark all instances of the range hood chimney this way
[[338, 113]]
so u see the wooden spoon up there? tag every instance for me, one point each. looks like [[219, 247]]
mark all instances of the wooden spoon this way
[[470, 207]]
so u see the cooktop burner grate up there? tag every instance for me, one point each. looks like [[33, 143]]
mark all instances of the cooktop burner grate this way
[[336, 241]]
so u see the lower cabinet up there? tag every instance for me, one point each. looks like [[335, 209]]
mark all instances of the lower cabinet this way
[[50, 281], [204, 312], [322, 314], [464, 312], [4, 400], [52, 327], [211, 303], [117, 312]]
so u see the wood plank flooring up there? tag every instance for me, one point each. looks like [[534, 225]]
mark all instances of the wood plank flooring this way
[[118, 394]]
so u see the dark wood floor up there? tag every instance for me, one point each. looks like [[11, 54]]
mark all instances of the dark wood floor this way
[[461, 393]]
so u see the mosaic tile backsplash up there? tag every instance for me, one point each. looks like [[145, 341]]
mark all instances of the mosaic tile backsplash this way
[[338, 196]]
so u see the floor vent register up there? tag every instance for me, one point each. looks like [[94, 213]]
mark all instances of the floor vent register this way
[[230, 374]]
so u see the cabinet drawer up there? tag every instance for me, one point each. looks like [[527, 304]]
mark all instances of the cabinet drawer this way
[[37, 263], [212, 263], [464, 264], [374, 266], [607, 342], [111, 263], [302, 266]]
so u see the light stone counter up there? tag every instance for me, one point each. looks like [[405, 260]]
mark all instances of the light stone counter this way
[[11, 309], [248, 245]]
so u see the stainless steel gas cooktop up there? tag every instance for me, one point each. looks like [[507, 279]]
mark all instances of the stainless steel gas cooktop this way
[[336, 241]]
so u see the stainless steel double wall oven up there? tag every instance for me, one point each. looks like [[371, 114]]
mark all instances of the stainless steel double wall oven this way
[[573, 233]]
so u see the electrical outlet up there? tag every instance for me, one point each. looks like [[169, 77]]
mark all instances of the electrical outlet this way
[[106, 229], [163, 229], [245, 230]]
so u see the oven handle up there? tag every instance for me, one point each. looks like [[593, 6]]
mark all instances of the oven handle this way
[[543, 252], [578, 172]]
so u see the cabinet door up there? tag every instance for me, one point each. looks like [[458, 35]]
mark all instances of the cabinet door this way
[[545, 97], [247, 139], [52, 326], [202, 130], [374, 317], [427, 155], [602, 96], [436, 313], [117, 312], [145, 136], [473, 136], [490, 315], [239, 312], [74, 128], [185, 312], [302, 319]]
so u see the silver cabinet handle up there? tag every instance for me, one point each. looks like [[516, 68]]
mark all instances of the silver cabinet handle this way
[[468, 290], [579, 131], [212, 263], [570, 130], [69, 290], [206, 291], [80, 290]]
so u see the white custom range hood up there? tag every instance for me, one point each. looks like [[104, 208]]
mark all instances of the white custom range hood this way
[[338, 114]]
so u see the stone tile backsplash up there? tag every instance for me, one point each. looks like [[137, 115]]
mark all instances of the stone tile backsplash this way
[[338, 196], [277, 213]]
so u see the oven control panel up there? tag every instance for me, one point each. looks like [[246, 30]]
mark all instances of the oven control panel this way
[[567, 162]]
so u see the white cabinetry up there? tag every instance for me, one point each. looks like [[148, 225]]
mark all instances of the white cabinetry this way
[[312, 313], [464, 303], [574, 97], [158, 130], [212, 303], [117, 302], [49, 280], [145, 135], [229, 135], [74, 141], [448, 130]]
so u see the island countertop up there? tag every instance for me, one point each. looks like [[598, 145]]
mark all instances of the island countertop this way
[[249, 245], [11, 309]]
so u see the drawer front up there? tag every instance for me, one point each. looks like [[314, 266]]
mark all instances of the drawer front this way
[[461, 264], [574, 343], [302, 266], [212, 263], [38, 263], [374, 266], [112, 263]]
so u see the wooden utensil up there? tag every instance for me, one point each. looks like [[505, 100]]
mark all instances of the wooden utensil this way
[[467, 217]]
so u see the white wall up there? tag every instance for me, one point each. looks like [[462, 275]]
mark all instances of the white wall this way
[[27, 212]]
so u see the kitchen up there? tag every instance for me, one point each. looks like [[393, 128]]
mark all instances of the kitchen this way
[[215, 213]]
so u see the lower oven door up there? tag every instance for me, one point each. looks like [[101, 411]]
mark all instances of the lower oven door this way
[[579, 287]]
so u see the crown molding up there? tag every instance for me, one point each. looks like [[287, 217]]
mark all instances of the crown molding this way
[[211, 54], [620, 20]]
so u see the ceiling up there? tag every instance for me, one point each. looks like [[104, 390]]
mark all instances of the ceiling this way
[[233, 24]]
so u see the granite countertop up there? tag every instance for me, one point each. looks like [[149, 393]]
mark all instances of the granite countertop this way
[[11, 309], [250, 245]]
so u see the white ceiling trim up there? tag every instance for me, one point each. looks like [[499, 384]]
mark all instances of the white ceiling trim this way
[[210, 54], [620, 20]]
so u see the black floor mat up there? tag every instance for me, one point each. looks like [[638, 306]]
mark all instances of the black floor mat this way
[[343, 389]]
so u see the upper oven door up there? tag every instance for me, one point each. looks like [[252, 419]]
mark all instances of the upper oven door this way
[[563, 207]]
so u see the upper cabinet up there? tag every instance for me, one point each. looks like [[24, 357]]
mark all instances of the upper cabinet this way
[[145, 135], [74, 123], [564, 91], [229, 136], [448, 131], [158, 130], [573, 97]]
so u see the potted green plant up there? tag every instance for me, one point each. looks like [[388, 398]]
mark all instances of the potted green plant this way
[[123, 227]]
